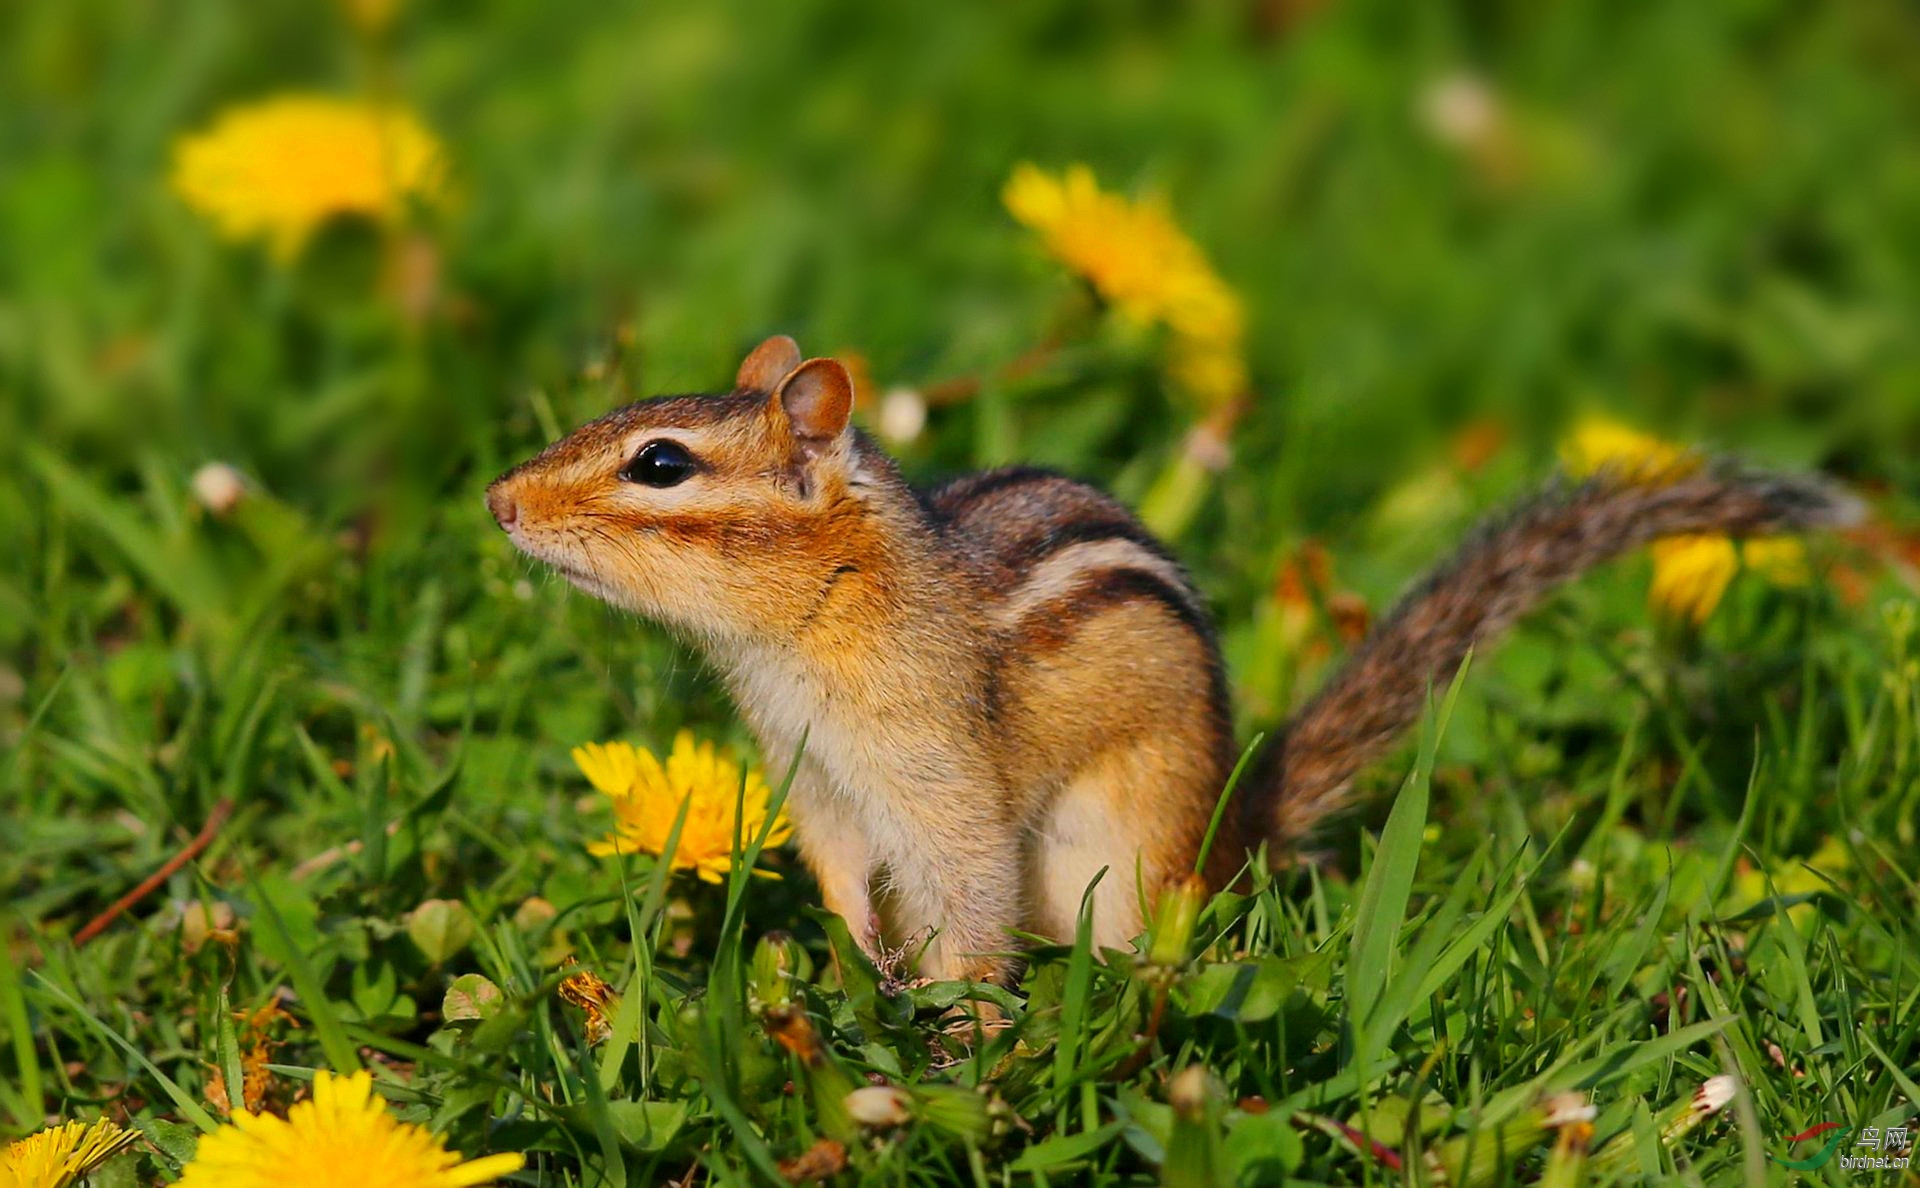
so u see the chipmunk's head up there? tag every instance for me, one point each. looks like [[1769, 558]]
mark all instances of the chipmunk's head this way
[[719, 514]]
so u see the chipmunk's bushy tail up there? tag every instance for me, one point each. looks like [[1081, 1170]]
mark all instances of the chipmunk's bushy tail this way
[[1506, 568]]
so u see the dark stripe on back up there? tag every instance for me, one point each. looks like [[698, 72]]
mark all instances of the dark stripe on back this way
[[1032, 550], [953, 497], [1051, 624]]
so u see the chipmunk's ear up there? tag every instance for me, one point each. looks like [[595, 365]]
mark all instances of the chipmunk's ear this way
[[817, 397], [770, 362]]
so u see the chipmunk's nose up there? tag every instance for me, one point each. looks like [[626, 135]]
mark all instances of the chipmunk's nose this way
[[505, 510]]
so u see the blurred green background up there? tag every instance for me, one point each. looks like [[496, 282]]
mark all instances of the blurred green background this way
[[1706, 217], [1444, 219]]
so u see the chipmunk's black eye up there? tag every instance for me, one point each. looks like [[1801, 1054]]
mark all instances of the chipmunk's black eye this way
[[660, 464]]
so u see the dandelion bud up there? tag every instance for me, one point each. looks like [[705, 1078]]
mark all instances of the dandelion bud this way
[[1196, 1152], [1191, 1090], [1002, 1119], [1708, 1100], [880, 1107], [780, 966], [955, 1110], [1480, 1158], [687, 1024], [1564, 1109], [1680, 1119], [1174, 919], [1567, 1162], [828, 1083]]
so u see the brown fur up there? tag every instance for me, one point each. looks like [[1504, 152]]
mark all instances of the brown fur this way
[[1006, 685]]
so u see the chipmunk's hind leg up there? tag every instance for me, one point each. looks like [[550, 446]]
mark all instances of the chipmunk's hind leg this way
[[1132, 812], [1119, 715]]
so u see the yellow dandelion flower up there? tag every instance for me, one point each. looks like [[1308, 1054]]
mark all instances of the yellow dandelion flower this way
[[1690, 574], [1211, 373], [343, 1126], [279, 168], [1793, 876], [1598, 444], [1138, 260], [1782, 560], [370, 17], [59, 1155], [647, 795]]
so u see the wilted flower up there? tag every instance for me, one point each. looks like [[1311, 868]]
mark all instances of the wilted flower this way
[[279, 168], [590, 992], [59, 1155], [1139, 260], [255, 1033], [647, 796], [1690, 573], [817, 1164], [343, 1126]]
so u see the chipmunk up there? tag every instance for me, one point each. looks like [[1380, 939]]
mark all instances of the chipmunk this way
[[1005, 684]]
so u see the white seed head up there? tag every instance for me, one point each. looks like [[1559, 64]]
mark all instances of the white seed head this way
[[903, 415], [1191, 1089], [1714, 1093], [218, 487], [880, 1107], [1564, 1109], [1460, 110]]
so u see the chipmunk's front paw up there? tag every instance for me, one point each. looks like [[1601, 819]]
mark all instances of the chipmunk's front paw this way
[[974, 1015]]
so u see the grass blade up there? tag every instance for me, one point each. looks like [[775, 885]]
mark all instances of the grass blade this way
[[182, 1100]]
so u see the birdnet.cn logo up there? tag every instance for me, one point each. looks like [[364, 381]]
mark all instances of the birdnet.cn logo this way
[[1876, 1149]]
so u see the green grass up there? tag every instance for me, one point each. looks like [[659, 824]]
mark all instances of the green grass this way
[[1596, 879]]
